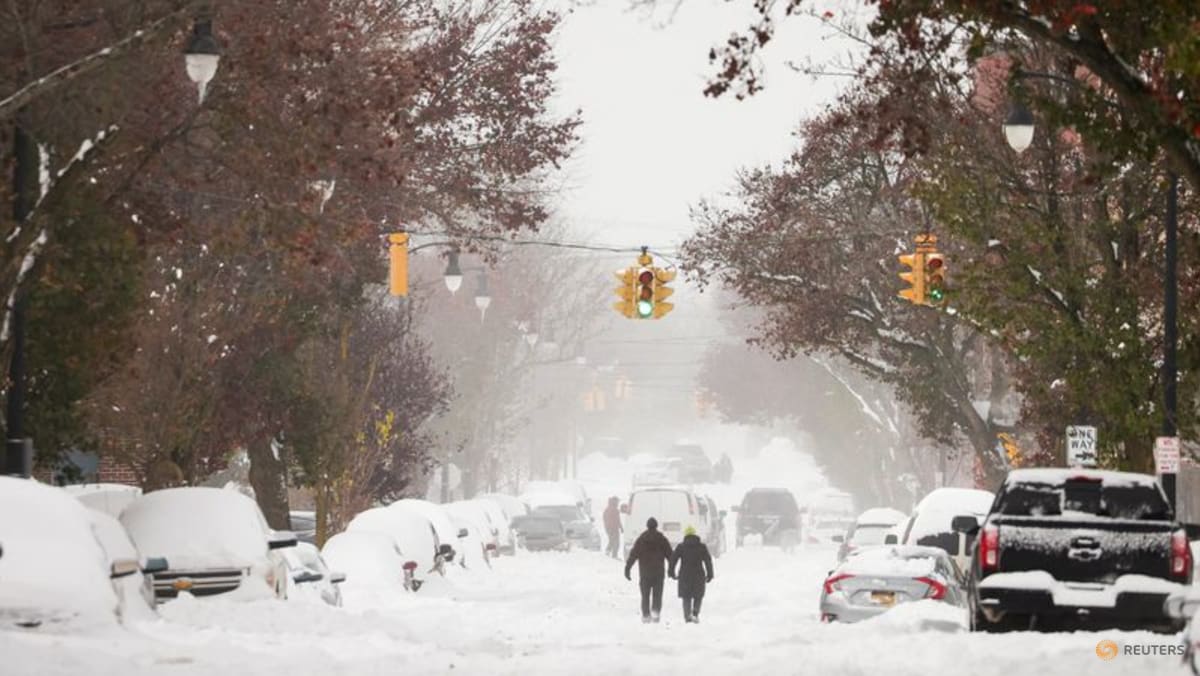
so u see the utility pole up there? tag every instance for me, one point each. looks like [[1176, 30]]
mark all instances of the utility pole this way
[[18, 451], [1170, 328]]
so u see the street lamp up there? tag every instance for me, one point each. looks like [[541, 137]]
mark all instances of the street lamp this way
[[202, 55], [483, 298], [1018, 127], [453, 274]]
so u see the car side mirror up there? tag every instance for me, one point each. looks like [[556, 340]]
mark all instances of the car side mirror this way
[[462, 532], [1193, 530], [1182, 605], [337, 578], [155, 564], [124, 568], [838, 538], [281, 539], [891, 539], [307, 576], [965, 523]]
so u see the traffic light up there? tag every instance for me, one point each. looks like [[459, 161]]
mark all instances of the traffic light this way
[[915, 293], [644, 290], [627, 292], [935, 279]]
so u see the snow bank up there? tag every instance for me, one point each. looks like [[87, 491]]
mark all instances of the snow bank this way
[[920, 616], [1079, 594]]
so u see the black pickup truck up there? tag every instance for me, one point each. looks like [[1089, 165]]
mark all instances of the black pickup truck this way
[[1086, 548]]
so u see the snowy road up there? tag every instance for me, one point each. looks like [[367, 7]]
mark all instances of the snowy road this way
[[568, 613]]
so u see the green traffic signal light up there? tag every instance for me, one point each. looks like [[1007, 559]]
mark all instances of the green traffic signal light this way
[[644, 308]]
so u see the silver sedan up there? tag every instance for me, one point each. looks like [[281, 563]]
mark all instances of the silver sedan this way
[[875, 580]]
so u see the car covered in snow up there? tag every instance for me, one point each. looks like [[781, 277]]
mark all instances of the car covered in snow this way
[[770, 513], [870, 529], [411, 534], [1076, 547], [111, 499], [371, 561], [309, 577], [875, 580], [930, 524], [579, 494], [657, 471], [539, 532], [135, 591], [446, 533], [480, 515], [54, 571], [215, 540]]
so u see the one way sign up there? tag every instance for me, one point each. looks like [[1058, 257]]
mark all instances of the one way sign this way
[[1081, 446]]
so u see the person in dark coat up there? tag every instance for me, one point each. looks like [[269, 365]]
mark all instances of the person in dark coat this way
[[695, 571], [651, 550], [612, 527]]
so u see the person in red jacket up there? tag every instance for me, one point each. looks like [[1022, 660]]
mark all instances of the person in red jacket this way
[[612, 526], [651, 551]]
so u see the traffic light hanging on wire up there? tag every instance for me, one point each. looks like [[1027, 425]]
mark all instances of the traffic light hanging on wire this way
[[926, 274], [644, 290]]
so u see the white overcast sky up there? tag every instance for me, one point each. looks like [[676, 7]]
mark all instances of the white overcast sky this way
[[652, 143]]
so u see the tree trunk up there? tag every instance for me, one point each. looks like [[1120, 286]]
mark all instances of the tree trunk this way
[[268, 477]]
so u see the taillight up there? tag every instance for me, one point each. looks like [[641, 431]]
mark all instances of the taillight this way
[[1181, 555], [989, 548], [410, 566], [831, 583], [937, 590]]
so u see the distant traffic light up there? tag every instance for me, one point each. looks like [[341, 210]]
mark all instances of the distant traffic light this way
[[627, 292], [935, 279], [915, 277]]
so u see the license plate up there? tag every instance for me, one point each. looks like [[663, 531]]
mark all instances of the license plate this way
[[883, 598], [671, 525]]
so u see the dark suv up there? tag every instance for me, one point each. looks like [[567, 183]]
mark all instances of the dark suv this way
[[697, 468], [769, 512]]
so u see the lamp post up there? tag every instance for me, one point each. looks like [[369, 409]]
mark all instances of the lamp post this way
[[483, 297], [202, 55], [453, 274], [1018, 131]]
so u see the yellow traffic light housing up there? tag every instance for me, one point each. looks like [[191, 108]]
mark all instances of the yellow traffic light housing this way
[[643, 290], [915, 277], [398, 264]]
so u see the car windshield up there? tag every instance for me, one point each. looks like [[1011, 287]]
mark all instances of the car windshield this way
[[773, 502], [1120, 501], [537, 526]]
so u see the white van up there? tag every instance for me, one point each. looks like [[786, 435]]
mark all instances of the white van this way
[[674, 507]]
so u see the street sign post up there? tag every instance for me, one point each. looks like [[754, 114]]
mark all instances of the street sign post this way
[[1166, 455], [1081, 446]]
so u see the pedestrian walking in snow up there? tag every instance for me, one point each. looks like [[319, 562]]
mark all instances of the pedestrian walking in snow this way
[[692, 565], [651, 551], [612, 527]]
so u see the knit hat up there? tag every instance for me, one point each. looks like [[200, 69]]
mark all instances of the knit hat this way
[[690, 530], [652, 523]]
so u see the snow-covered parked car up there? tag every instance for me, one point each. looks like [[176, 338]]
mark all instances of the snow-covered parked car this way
[[411, 533], [578, 493], [54, 572], [930, 523], [511, 507], [135, 591], [443, 526], [309, 576], [372, 562], [877, 579], [1184, 604], [475, 514], [215, 541], [870, 529]]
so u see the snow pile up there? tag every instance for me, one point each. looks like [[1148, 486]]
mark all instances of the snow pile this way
[[920, 616], [197, 528], [891, 561], [52, 563]]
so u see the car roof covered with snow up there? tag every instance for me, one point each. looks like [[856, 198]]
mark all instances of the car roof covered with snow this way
[[366, 557], [549, 499], [959, 500], [198, 527], [880, 516]]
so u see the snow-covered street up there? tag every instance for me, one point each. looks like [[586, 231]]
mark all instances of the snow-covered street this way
[[553, 613]]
